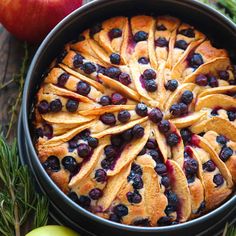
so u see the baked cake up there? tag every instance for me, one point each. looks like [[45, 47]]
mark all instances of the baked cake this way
[[135, 121]]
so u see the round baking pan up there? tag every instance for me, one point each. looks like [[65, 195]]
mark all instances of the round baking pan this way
[[217, 27], [61, 218]]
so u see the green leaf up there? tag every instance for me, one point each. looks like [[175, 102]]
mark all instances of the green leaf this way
[[18, 198]]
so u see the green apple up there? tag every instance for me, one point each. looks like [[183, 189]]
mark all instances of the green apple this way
[[52, 230]]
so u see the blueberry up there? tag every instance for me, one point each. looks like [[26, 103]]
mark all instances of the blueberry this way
[[191, 166], [106, 163], [95, 193], [137, 131], [172, 85], [73, 144], [150, 86], [182, 44], [226, 153], [73, 196], [136, 169], [221, 139], [149, 74], [183, 108], [218, 180], [163, 221], [231, 115], [84, 134], [72, 105], [164, 126], [115, 58], [143, 60], [161, 28], [124, 116], [115, 33], [140, 36], [175, 110], [161, 169], [214, 112], [118, 99], [155, 115], [92, 142], [101, 69], [120, 210], [124, 78], [151, 144], [186, 135], [52, 163], [108, 119], [224, 74], [134, 197], [188, 32], [187, 97], [43, 107], [114, 218], [83, 150], [69, 164], [55, 105], [209, 166], [172, 199], [201, 80], [95, 29], [78, 60], [196, 60], [232, 82], [89, 68], [212, 80], [84, 201], [105, 101], [142, 222], [48, 131], [141, 109], [137, 182], [155, 155], [161, 42], [165, 181], [62, 79], [110, 151], [113, 72], [83, 88], [100, 175], [116, 140], [172, 139], [190, 178], [127, 135]]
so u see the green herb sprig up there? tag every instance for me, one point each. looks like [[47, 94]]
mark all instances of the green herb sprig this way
[[226, 7], [19, 202]]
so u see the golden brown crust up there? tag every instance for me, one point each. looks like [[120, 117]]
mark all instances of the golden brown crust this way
[[99, 143]]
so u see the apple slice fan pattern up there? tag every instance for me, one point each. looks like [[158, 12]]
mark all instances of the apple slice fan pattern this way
[[135, 121]]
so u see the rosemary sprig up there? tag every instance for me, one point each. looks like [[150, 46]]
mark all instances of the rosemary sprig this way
[[227, 7], [18, 198], [229, 231]]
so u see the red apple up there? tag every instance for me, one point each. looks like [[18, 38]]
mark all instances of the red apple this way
[[31, 20]]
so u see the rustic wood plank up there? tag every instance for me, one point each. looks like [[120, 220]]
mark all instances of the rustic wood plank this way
[[11, 52]]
